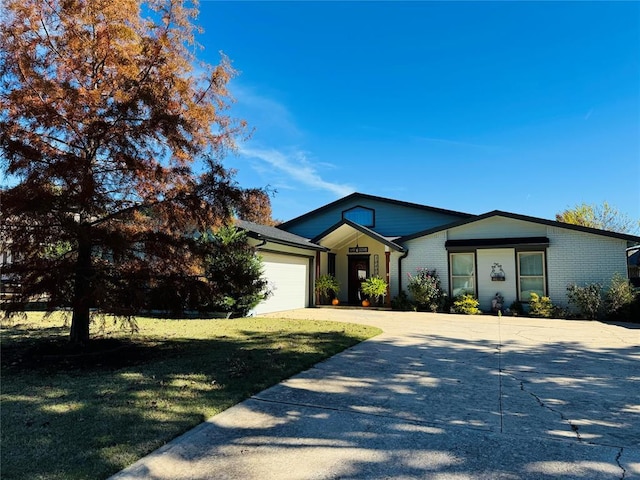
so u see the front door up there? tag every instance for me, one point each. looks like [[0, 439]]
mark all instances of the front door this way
[[358, 272]]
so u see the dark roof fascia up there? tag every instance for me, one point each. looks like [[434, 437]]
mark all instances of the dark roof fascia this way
[[498, 242], [365, 196], [361, 229], [524, 218], [281, 237], [439, 228], [306, 246]]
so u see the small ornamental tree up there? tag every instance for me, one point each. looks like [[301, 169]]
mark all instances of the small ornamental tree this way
[[233, 272], [587, 299], [111, 135], [619, 298], [425, 289]]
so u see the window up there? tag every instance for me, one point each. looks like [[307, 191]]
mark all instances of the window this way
[[331, 264], [530, 275], [462, 272], [360, 215]]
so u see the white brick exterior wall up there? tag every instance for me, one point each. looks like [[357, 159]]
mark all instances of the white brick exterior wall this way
[[572, 257], [576, 257], [427, 252]]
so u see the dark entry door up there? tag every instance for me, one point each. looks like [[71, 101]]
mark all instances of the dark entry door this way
[[358, 271]]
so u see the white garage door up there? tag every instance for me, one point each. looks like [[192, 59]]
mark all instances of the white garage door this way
[[288, 278]]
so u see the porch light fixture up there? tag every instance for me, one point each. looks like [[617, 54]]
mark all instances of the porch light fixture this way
[[357, 248]]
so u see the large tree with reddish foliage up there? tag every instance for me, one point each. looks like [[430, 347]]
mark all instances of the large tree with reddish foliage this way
[[111, 136]]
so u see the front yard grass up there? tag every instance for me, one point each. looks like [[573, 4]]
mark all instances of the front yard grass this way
[[88, 416]]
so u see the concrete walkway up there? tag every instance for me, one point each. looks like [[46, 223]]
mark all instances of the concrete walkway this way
[[433, 397]]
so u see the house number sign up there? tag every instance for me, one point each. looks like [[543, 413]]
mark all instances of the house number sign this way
[[358, 249]]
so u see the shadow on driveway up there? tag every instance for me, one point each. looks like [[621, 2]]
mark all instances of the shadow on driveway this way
[[435, 397]]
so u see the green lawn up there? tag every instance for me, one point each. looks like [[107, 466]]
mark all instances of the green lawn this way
[[87, 417]]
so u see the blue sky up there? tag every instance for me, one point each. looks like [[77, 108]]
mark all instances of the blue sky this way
[[526, 107]]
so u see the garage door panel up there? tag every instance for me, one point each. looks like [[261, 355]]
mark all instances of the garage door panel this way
[[288, 278]]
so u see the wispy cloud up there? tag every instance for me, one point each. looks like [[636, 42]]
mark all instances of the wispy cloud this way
[[586, 117], [297, 168], [265, 114], [268, 149]]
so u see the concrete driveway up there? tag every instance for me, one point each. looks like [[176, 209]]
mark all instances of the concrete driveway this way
[[434, 397]]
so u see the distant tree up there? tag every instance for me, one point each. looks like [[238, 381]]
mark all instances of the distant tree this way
[[257, 207], [603, 217], [111, 135]]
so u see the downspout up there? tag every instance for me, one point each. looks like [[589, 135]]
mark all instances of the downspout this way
[[406, 254]]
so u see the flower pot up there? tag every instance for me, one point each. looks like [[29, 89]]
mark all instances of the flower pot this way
[[335, 301], [365, 303]]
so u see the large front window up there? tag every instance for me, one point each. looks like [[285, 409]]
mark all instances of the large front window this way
[[531, 275], [462, 274]]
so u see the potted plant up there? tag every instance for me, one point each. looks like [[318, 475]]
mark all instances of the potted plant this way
[[327, 287], [374, 288]]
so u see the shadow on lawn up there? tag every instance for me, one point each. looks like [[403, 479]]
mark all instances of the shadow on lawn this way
[[68, 416]]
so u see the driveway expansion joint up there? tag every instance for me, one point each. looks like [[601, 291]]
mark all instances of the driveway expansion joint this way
[[500, 373]]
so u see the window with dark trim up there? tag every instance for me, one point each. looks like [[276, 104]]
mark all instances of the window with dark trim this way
[[462, 267], [531, 275], [361, 215], [331, 264]]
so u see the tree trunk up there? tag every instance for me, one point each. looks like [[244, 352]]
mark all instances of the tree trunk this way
[[81, 296]]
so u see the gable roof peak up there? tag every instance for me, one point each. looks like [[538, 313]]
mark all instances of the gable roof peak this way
[[366, 196]]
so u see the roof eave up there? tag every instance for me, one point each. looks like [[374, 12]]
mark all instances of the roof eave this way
[[524, 218], [364, 230]]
